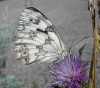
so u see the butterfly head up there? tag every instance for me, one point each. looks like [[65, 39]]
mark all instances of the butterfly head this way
[[64, 54]]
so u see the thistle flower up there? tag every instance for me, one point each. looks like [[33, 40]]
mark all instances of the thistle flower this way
[[70, 72]]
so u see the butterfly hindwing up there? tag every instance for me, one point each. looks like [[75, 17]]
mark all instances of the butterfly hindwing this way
[[38, 40]]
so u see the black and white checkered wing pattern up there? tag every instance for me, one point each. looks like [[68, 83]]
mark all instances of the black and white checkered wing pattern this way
[[38, 40]]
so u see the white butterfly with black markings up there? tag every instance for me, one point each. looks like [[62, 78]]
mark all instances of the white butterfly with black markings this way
[[38, 40]]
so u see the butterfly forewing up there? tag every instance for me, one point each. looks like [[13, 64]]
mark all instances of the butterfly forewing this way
[[38, 40]]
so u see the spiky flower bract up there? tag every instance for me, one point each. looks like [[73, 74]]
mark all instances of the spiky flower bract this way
[[70, 72]]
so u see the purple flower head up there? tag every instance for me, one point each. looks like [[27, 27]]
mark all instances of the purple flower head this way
[[70, 72]]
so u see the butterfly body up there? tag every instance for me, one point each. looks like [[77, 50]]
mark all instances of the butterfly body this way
[[38, 40]]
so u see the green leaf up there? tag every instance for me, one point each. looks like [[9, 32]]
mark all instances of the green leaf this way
[[81, 50], [84, 85]]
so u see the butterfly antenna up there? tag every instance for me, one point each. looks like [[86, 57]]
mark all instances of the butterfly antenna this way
[[78, 42], [73, 42]]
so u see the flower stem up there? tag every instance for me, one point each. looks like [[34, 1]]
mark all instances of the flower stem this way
[[92, 81]]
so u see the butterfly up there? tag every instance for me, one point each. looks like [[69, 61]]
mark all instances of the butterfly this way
[[38, 40]]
